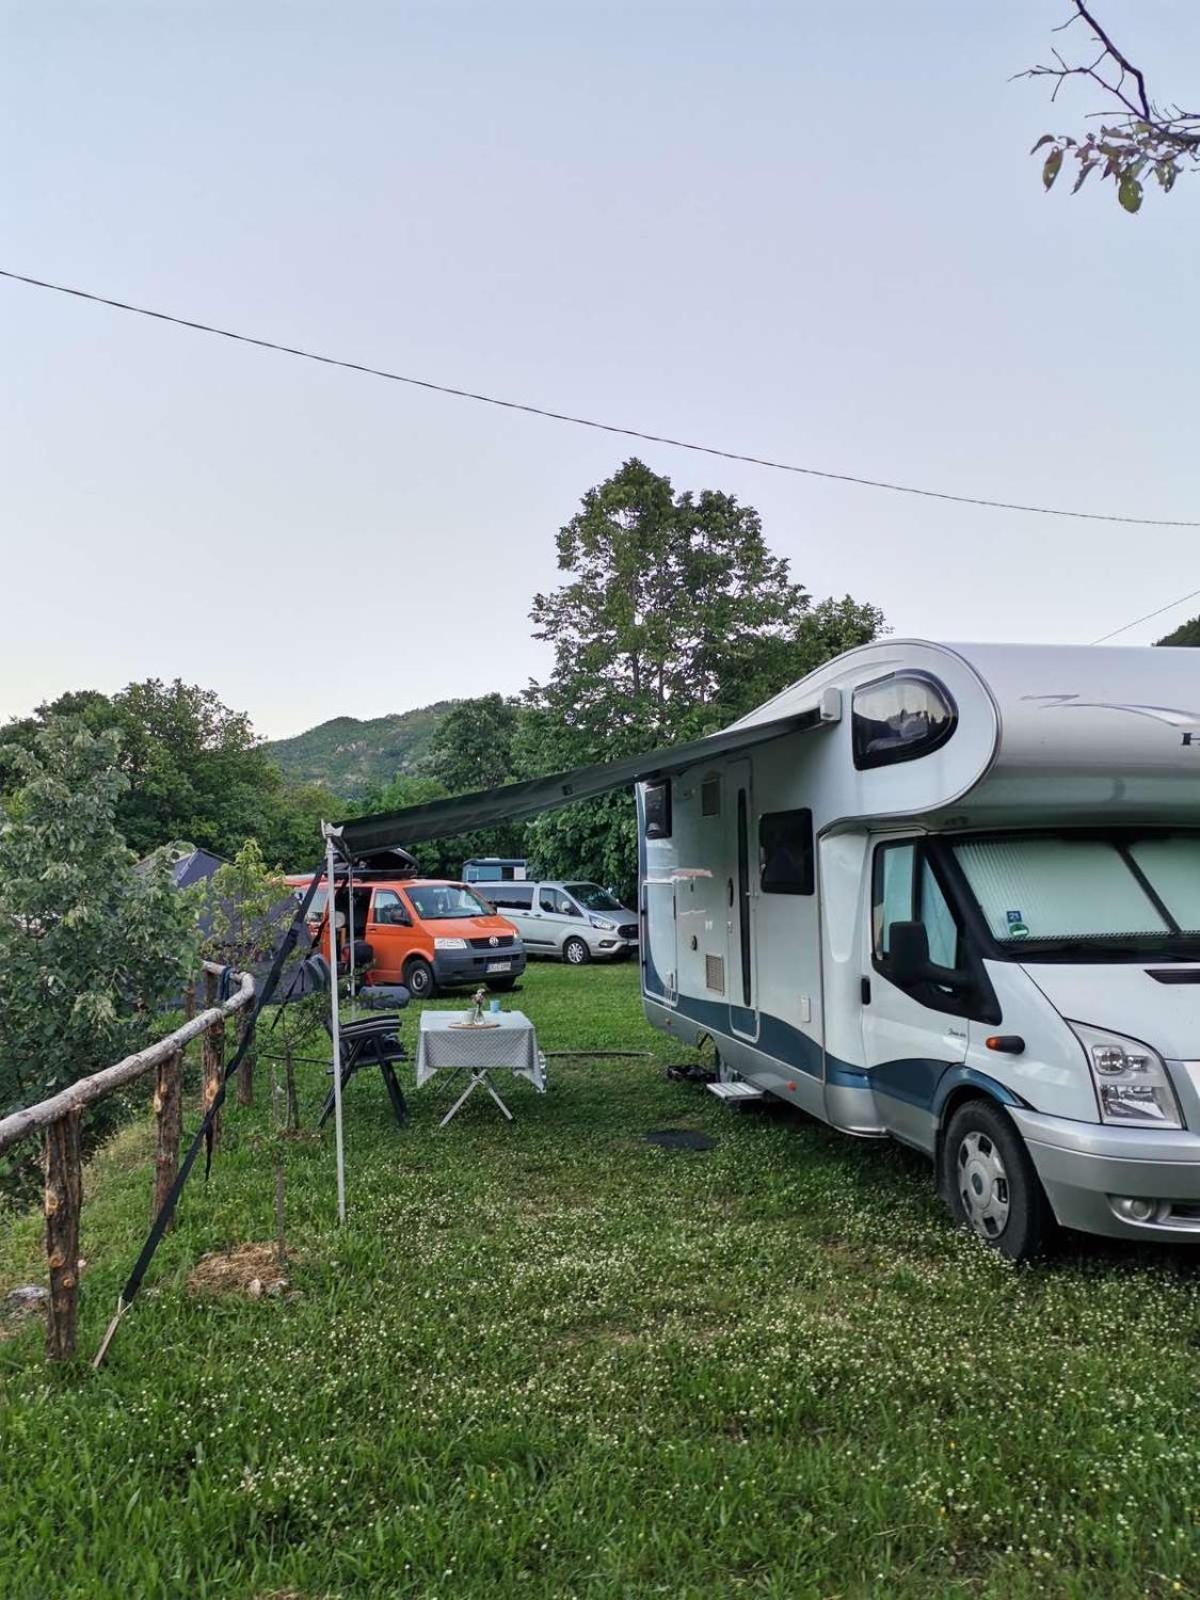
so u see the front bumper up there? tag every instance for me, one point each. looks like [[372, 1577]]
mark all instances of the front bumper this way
[[1086, 1168], [454, 969]]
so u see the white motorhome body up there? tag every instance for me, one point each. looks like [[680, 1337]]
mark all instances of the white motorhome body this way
[[972, 881]]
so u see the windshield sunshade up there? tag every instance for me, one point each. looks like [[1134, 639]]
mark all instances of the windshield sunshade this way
[[1058, 888]]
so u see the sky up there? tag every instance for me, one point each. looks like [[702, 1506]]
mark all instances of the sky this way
[[805, 231]]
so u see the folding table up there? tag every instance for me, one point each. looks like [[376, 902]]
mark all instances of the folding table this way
[[509, 1044]]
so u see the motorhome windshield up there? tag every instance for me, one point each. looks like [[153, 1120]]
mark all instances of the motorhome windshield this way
[[592, 897], [1059, 890], [439, 902]]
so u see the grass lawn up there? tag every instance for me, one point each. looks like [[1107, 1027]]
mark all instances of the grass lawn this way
[[550, 1359]]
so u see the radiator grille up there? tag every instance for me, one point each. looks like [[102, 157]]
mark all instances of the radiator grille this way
[[714, 973]]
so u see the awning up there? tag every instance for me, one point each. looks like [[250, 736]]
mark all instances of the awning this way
[[515, 801]]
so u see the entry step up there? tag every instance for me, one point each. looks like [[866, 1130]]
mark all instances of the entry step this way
[[735, 1093]]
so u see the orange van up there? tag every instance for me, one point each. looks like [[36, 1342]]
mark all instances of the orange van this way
[[427, 933]]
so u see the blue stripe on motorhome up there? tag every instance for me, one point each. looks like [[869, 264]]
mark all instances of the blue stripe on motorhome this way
[[959, 1075], [916, 1080]]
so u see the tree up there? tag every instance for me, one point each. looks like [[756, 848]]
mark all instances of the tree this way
[[196, 771], [92, 943], [476, 747], [1145, 137], [434, 858], [675, 620], [1188, 633], [472, 747]]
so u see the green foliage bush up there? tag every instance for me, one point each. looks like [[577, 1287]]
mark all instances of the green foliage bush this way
[[93, 944]]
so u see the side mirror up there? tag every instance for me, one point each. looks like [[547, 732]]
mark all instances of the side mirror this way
[[908, 952], [908, 959]]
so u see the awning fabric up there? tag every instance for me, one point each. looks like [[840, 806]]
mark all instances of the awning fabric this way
[[513, 802]]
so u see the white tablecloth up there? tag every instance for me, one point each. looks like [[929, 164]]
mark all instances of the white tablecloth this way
[[511, 1047]]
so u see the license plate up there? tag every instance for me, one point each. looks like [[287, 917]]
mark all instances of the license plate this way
[[499, 966]]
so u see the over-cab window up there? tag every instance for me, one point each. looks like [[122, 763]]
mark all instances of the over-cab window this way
[[785, 846], [900, 717]]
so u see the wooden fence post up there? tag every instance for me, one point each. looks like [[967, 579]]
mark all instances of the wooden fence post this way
[[168, 1114], [245, 1087], [63, 1200], [189, 1001], [213, 1056]]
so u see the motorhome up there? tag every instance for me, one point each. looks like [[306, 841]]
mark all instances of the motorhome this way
[[957, 904]]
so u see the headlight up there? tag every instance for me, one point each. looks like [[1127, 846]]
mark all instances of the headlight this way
[[1131, 1081], [602, 922], [449, 944]]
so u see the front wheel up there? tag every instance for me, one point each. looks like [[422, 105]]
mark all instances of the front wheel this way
[[990, 1184], [418, 976], [576, 953]]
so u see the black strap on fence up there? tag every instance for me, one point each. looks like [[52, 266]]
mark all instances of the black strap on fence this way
[[204, 1132]]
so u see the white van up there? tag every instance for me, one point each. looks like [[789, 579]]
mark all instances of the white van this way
[[950, 894], [577, 922]]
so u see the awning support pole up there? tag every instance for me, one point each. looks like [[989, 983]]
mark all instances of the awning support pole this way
[[331, 833]]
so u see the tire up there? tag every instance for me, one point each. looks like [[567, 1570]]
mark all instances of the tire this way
[[501, 985], [990, 1184], [576, 953], [419, 979]]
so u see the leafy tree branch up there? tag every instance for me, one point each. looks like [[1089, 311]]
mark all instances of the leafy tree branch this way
[[1147, 138]]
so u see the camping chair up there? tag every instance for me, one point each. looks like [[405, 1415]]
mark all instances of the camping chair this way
[[369, 1042]]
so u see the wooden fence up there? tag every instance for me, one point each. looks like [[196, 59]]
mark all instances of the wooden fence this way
[[58, 1119]]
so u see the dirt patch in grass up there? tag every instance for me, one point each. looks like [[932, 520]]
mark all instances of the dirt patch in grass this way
[[251, 1270]]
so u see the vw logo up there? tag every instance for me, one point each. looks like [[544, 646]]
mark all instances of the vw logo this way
[[493, 940]]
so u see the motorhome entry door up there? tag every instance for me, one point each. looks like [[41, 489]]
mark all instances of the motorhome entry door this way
[[741, 984]]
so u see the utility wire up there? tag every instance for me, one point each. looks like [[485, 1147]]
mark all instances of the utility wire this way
[[603, 427], [1125, 627]]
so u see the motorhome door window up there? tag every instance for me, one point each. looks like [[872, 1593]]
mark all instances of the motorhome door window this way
[[899, 718], [785, 843], [657, 802]]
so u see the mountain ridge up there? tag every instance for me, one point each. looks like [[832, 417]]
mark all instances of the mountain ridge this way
[[349, 755]]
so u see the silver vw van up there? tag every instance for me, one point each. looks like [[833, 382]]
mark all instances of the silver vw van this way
[[576, 922]]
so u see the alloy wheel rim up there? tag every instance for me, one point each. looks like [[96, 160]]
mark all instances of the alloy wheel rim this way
[[983, 1185]]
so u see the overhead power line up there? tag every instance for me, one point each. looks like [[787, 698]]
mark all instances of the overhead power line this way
[[590, 422], [1125, 627]]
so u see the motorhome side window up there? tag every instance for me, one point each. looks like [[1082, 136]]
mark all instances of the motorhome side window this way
[[905, 890], [785, 844], [658, 810], [900, 717]]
